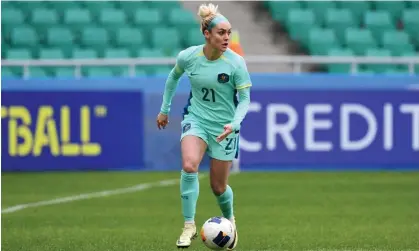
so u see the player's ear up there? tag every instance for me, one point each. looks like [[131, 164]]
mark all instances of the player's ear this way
[[206, 34]]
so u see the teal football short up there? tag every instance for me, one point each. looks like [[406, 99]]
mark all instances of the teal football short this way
[[225, 150]]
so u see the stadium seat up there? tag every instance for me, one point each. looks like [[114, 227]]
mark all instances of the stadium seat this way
[[359, 40], [397, 42], [279, 9], [410, 19], [62, 6], [319, 8], [50, 53], [96, 71], [340, 68], [21, 53], [116, 53], [339, 20], [37, 72], [7, 72], [96, 7], [62, 72], [112, 19], [95, 37], [394, 8], [358, 8], [321, 40], [44, 17], [130, 38], [84, 53], [148, 52], [194, 37], [130, 7], [59, 37], [147, 18], [378, 68], [24, 36], [11, 16], [77, 18], [28, 6], [299, 23], [378, 22], [159, 39]]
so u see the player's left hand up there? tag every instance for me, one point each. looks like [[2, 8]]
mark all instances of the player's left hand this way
[[227, 130]]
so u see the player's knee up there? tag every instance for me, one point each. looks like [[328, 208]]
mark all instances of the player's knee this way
[[218, 188], [190, 167]]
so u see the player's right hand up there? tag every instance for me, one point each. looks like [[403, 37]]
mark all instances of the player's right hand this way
[[162, 121]]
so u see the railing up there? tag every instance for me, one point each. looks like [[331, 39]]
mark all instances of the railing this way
[[295, 61]]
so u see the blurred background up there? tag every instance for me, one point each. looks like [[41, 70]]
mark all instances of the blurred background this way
[[329, 151]]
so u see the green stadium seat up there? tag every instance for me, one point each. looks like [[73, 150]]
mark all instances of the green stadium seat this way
[[339, 20], [413, 4], [95, 7], [183, 19], [59, 36], [159, 39], [21, 53], [63, 72], [77, 18], [96, 71], [24, 36], [340, 52], [44, 17], [50, 53], [37, 72], [150, 53], [376, 52], [79, 53], [112, 18], [299, 23], [358, 8], [397, 42], [161, 70], [28, 6], [130, 38], [94, 37], [279, 9], [321, 40], [194, 37], [62, 6], [11, 16], [410, 19], [130, 7], [116, 53], [378, 22], [164, 6], [319, 8], [147, 18], [7, 72], [359, 40], [395, 8]]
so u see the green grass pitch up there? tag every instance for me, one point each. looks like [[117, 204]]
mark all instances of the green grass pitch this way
[[275, 211]]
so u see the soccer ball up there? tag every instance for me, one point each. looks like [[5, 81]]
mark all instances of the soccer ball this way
[[217, 233]]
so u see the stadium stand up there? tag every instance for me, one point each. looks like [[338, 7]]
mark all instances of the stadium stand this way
[[94, 29], [121, 29], [346, 28]]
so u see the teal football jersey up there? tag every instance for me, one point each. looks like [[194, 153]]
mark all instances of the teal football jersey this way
[[214, 85]]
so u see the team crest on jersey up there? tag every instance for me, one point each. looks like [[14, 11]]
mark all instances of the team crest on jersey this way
[[223, 78], [186, 127]]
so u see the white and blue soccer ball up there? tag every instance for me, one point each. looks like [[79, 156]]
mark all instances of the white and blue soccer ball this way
[[217, 233]]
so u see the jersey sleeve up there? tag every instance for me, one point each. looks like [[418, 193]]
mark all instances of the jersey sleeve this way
[[172, 83], [241, 76]]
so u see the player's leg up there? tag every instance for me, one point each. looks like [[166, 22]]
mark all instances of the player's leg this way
[[222, 154], [193, 147]]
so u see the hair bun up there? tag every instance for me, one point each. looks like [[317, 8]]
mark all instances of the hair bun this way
[[206, 11]]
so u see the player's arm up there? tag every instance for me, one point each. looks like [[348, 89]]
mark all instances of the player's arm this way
[[172, 82], [242, 84]]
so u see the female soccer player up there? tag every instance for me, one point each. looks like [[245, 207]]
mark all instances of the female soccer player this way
[[212, 117]]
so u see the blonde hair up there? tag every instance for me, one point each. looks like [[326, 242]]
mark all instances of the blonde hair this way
[[207, 13]]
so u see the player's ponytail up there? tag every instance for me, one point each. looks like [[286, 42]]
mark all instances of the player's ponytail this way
[[207, 14]]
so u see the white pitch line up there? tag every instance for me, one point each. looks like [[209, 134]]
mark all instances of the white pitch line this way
[[85, 196]]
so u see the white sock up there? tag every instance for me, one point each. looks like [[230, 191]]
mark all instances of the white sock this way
[[190, 222]]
